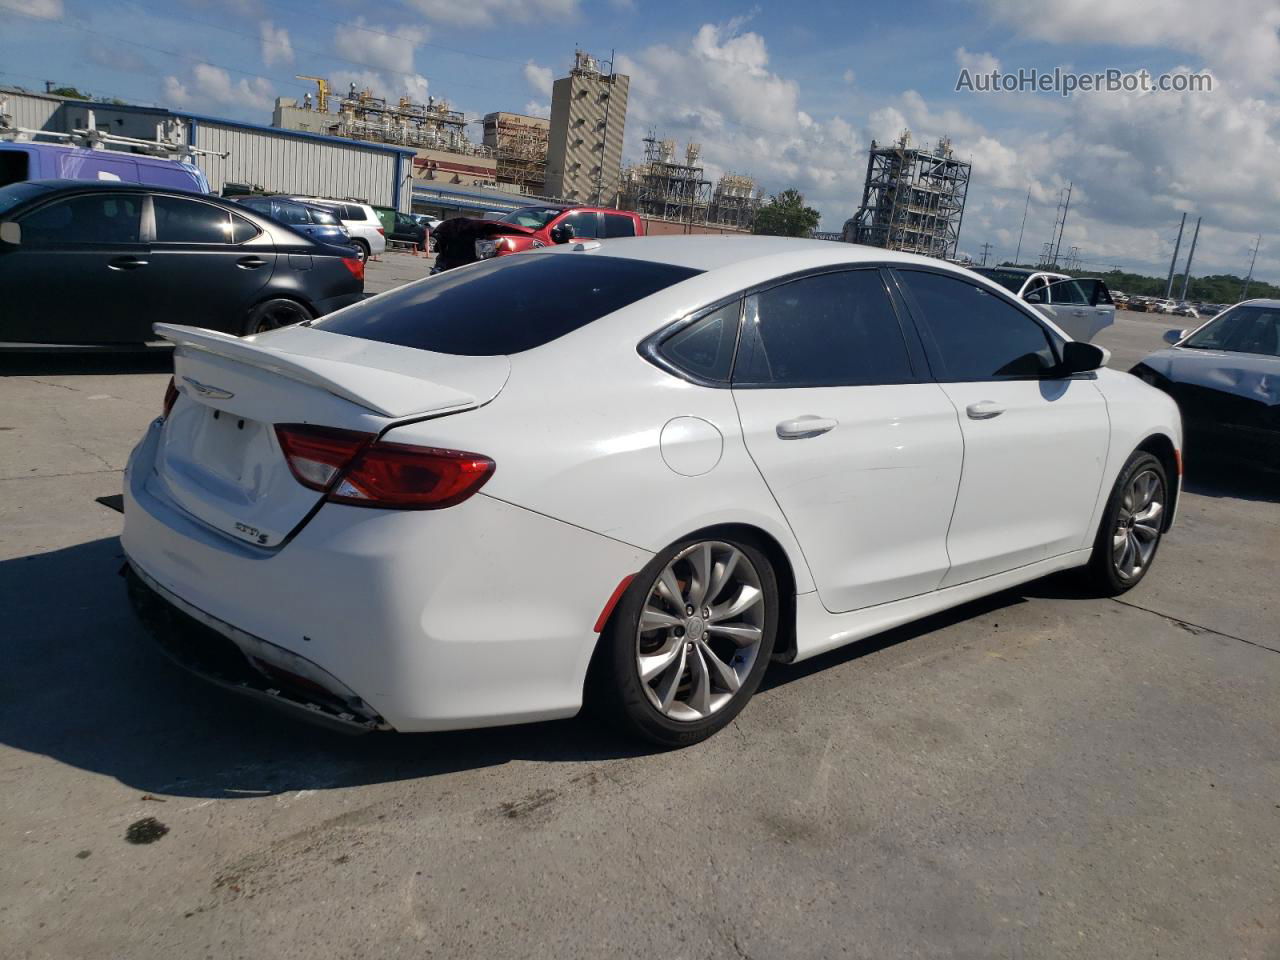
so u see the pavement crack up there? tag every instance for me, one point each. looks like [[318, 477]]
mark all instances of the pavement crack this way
[[73, 473], [1194, 627], [50, 383]]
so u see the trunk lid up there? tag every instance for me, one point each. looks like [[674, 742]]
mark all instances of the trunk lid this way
[[219, 457]]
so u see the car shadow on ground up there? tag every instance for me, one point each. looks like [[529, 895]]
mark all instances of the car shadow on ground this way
[[1210, 478], [72, 363], [85, 687]]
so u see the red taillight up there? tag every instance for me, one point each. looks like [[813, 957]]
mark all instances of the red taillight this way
[[170, 397], [382, 231], [356, 266], [353, 469], [316, 455]]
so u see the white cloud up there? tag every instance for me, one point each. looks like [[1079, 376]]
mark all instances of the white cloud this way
[[536, 109], [210, 86], [1239, 38], [412, 85], [276, 47], [378, 47], [40, 9], [848, 78], [539, 78], [976, 62], [485, 13]]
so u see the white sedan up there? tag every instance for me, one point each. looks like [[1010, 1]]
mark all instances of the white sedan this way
[[637, 472]]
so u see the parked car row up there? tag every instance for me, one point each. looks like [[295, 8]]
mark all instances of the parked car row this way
[[1082, 307], [97, 263]]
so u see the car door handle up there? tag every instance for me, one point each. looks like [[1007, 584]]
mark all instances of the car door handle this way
[[1081, 313], [251, 263], [126, 263], [983, 410], [801, 428]]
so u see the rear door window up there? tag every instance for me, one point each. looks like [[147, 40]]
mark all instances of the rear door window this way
[[584, 223], [179, 220], [352, 212], [616, 225], [506, 305], [91, 218], [829, 330], [704, 349]]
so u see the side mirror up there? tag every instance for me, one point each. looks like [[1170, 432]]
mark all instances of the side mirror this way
[[11, 233], [562, 233], [1173, 336], [1033, 298], [1079, 357]]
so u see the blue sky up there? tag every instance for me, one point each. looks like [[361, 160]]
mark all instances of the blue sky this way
[[790, 93]]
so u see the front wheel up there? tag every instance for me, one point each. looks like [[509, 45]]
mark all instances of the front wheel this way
[[1132, 526], [688, 644], [362, 250]]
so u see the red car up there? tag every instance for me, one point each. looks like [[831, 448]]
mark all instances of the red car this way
[[462, 241]]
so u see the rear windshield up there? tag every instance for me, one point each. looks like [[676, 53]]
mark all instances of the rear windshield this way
[[506, 305], [1011, 280]]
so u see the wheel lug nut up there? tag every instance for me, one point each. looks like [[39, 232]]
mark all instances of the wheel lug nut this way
[[689, 611]]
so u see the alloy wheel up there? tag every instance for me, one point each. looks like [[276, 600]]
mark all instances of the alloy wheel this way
[[1138, 524], [281, 313], [700, 630]]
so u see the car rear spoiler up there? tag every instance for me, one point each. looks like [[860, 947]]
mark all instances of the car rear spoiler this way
[[374, 384]]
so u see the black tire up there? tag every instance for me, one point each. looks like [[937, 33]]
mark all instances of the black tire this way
[[615, 688], [1105, 575], [274, 314], [362, 249]]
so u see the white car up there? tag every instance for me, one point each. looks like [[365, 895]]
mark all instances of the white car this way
[[361, 221], [1081, 307], [638, 471]]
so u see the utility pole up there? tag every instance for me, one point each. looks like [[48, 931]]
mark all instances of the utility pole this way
[[1017, 257], [986, 248], [1062, 224], [1173, 263], [1244, 292], [1186, 274]]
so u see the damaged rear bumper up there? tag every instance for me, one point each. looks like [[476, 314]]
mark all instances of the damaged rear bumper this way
[[242, 663]]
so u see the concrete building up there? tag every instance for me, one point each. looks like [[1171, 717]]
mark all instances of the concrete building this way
[[520, 144], [588, 115], [272, 159]]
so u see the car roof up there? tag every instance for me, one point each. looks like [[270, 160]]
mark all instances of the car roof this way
[[1262, 302], [707, 252], [117, 186]]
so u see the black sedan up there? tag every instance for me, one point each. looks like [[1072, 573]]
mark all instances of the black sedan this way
[[96, 263], [1225, 377]]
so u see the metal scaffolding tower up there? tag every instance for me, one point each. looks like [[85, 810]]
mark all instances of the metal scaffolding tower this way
[[663, 187], [913, 199], [521, 145], [362, 116]]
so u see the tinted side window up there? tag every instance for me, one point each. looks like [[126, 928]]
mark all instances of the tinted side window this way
[[352, 212], [179, 220], [584, 224], [1067, 292], [89, 218], [705, 347], [978, 336], [834, 329], [242, 229], [287, 212], [618, 226], [524, 300]]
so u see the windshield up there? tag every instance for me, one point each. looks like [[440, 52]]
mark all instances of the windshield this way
[[1241, 330], [535, 218], [505, 305], [1011, 280], [16, 193]]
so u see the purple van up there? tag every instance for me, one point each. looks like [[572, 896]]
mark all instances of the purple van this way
[[21, 160]]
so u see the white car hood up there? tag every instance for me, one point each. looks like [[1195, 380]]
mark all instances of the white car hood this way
[[1247, 375]]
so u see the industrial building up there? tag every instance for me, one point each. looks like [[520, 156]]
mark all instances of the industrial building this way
[[588, 115], [272, 159], [668, 187], [913, 199], [435, 132], [520, 145]]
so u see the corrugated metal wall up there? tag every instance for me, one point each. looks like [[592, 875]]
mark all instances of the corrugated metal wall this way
[[278, 161]]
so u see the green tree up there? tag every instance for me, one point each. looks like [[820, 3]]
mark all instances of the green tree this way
[[785, 215], [71, 92]]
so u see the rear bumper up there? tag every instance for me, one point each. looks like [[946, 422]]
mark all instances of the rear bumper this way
[[246, 665], [475, 615]]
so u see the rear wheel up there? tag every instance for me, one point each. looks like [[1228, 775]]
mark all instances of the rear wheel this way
[[689, 641], [362, 249], [1131, 527], [274, 314]]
